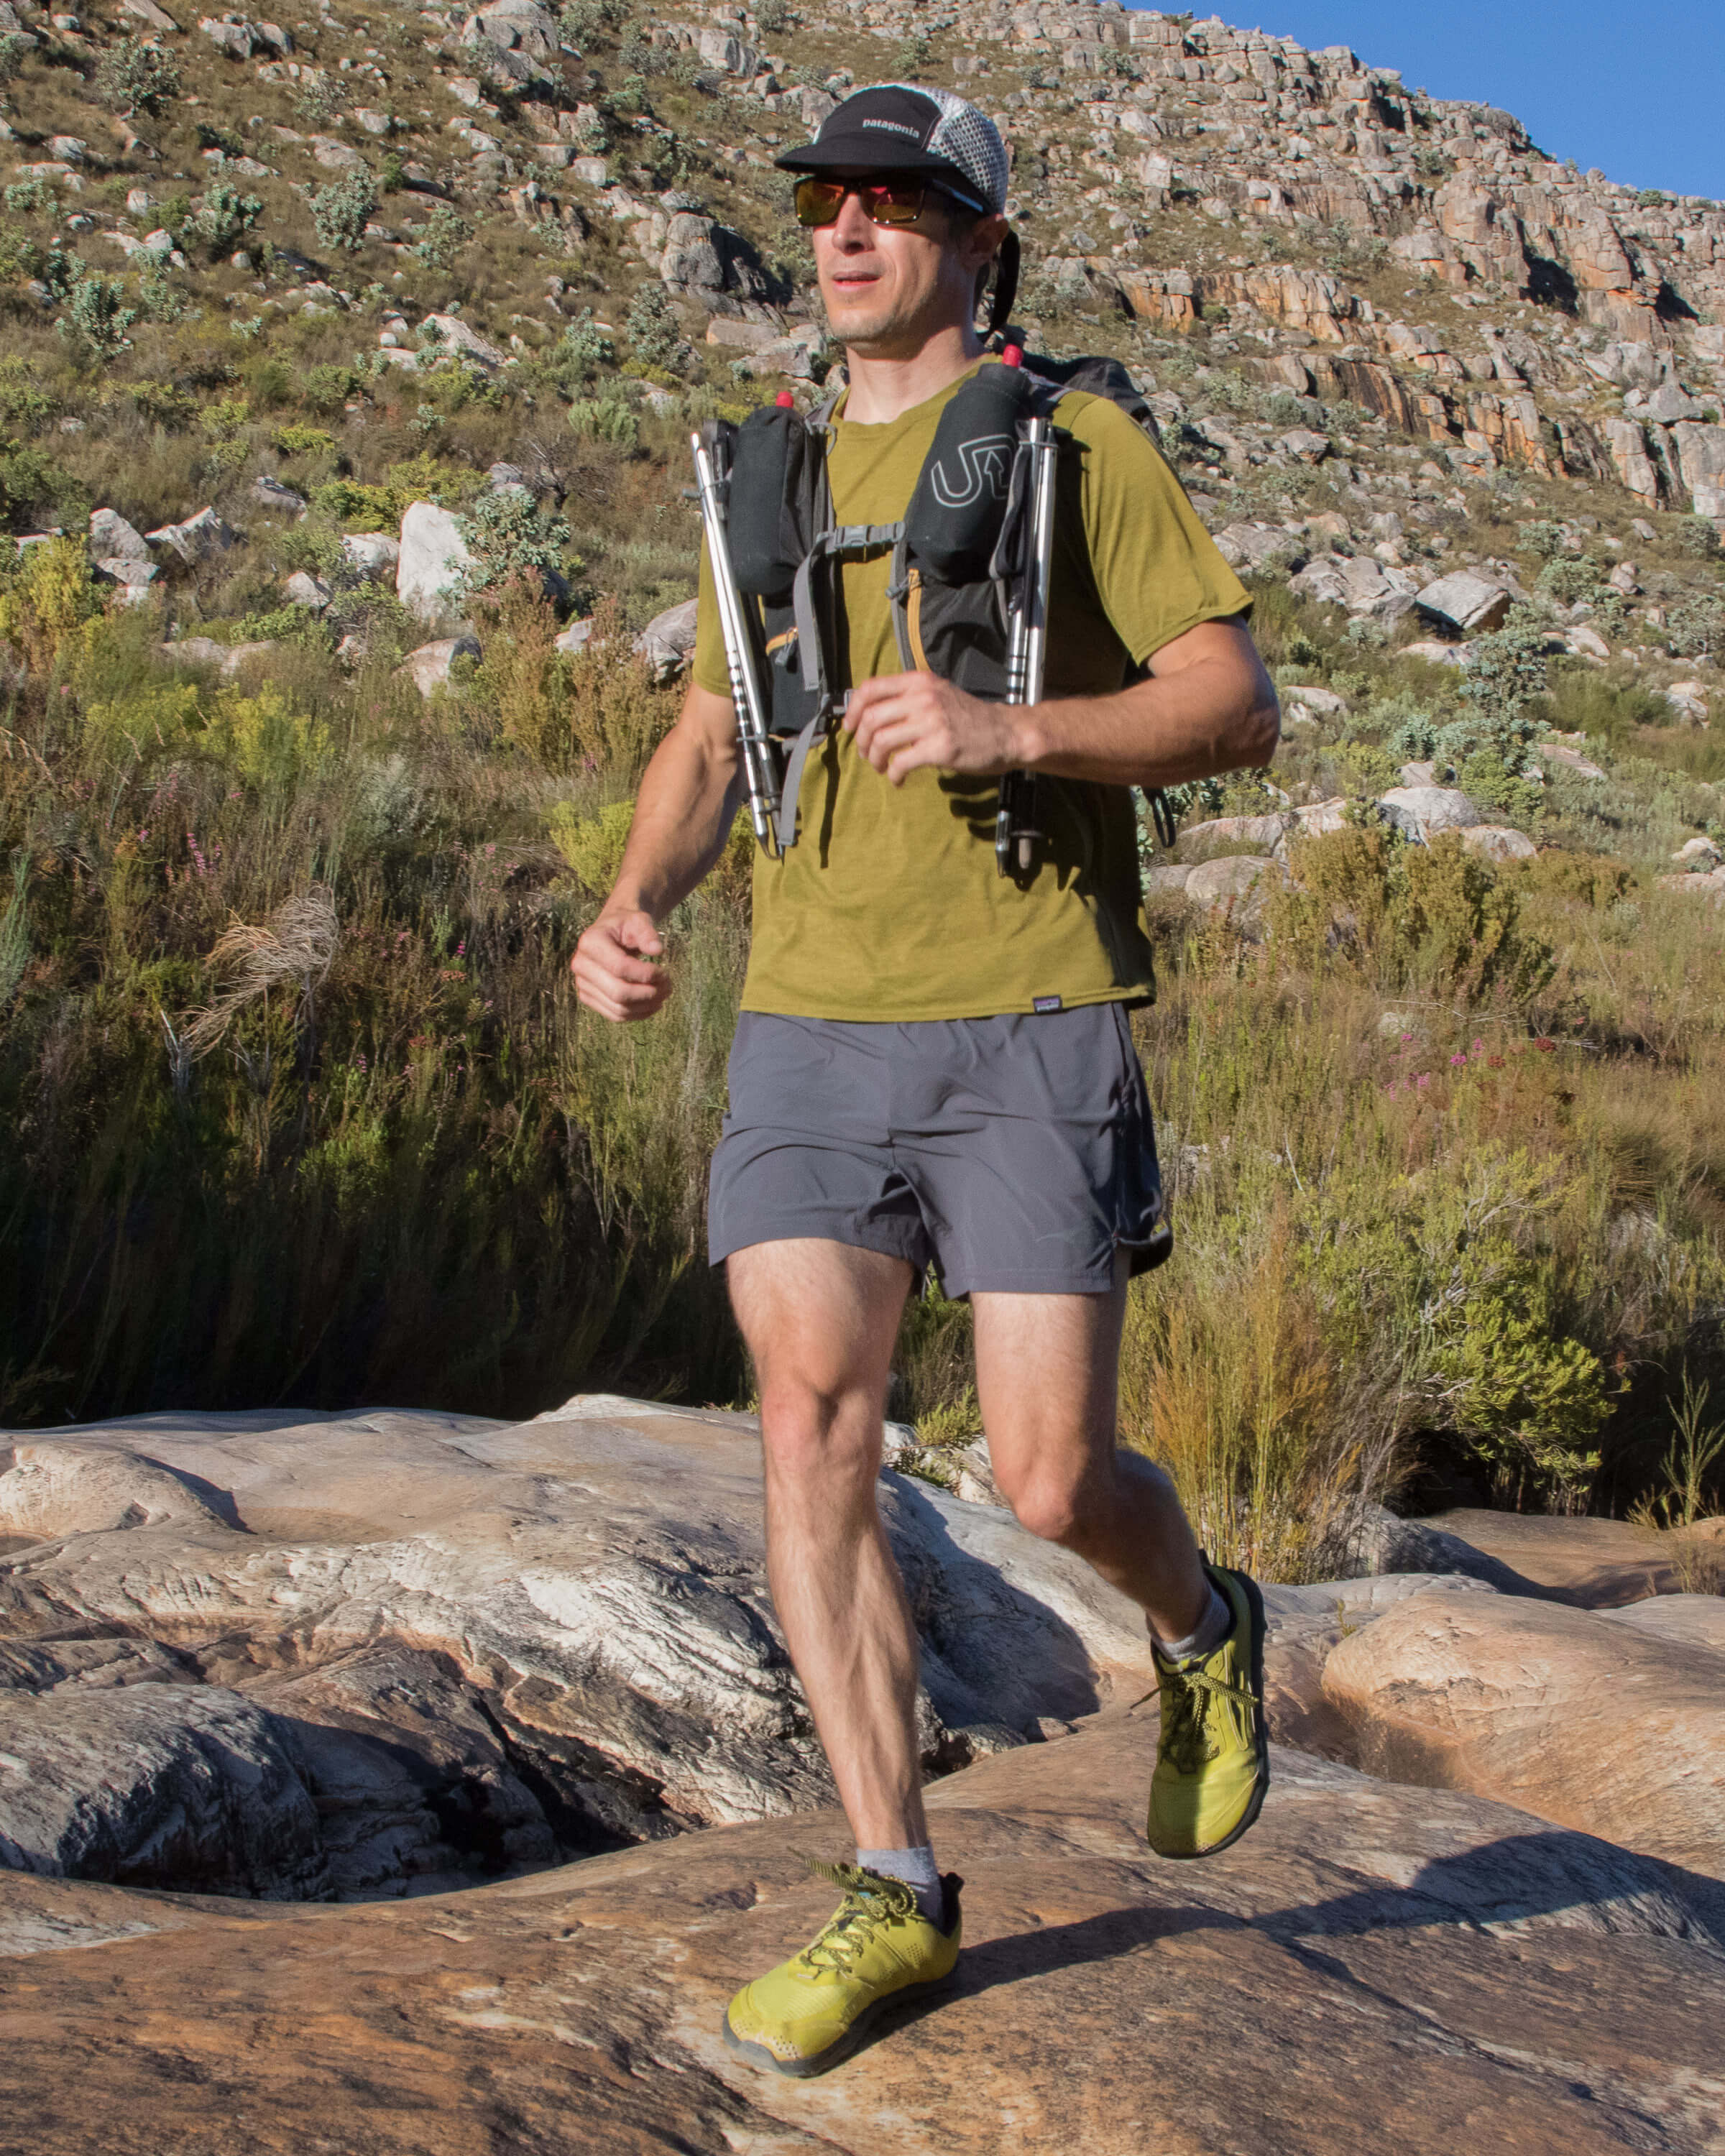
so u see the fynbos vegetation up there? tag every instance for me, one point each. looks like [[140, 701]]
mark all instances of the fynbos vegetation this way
[[328, 412]]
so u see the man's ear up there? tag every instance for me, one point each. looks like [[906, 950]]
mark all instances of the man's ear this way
[[983, 242]]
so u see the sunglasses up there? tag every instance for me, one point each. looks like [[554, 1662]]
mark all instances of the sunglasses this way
[[884, 202]]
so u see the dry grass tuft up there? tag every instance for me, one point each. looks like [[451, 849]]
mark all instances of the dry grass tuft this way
[[1230, 1384], [295, 947]]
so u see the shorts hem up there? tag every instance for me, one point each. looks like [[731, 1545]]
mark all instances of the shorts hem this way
[[998, 1281], [882, 1245], [1145, 1252]]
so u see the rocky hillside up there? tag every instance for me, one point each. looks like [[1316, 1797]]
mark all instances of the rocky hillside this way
[[349, 366], [421, 193]]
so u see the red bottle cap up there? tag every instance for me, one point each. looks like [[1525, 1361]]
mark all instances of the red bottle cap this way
[[1012, 354], [785, 398]]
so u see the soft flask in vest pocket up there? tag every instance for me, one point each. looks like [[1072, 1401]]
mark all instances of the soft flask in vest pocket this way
[[773, 482], [968, 496]]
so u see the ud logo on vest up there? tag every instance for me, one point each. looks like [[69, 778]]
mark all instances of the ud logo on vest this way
[[971, 562], [984, 468]]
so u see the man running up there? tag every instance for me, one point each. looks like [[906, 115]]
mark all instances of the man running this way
[[933, 1064]]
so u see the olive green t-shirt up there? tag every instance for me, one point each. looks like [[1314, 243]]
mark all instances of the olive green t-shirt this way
[[890, 907]]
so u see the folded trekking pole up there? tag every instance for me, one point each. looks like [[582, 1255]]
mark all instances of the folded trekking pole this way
[[711, 476], [1015, 834]]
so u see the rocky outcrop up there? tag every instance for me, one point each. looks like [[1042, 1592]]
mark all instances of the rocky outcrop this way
[[196, 539], [1599, 1726], [1421, 812], [476, 1645], [374, 1658], [132, 1776], [432, 559], [429, 667], [667, 643], [1593, 1564], [1451, 1960]]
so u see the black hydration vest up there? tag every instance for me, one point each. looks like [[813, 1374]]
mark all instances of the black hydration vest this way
[[954, 553]]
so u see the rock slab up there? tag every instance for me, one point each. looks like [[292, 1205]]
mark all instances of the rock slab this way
[[1372, 1967], [429, 565], [1594, 1724], [445, 1615]]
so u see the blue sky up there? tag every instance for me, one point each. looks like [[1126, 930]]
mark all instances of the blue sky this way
[[1636, 88]]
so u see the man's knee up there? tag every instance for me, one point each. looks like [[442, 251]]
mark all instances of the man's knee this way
[[1055, 1507], [806, 1431]]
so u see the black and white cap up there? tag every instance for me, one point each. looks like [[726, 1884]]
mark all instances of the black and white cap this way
[[902, 127]]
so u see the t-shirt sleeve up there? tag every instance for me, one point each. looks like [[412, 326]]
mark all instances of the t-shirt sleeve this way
[[711, 670], [1157, 571]]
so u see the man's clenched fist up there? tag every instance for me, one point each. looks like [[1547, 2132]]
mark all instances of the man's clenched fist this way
[[619, 968], [903, 721]]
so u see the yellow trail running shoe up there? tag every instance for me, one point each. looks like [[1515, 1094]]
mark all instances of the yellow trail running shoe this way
[[813, 2010], [1213, 1757]]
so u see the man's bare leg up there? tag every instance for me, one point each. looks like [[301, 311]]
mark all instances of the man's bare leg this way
[[820, 1319], [1048, 1384]]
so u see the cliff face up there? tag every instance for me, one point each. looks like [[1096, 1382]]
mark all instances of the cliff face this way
[[1590, 345]]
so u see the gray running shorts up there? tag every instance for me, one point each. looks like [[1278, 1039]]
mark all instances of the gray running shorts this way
[[1012, 1153]]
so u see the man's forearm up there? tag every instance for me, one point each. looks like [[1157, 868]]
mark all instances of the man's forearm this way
[[1214, 716], [689, 797]]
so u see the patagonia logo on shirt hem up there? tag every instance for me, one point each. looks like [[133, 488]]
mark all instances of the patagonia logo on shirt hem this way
[[1045, 1002]]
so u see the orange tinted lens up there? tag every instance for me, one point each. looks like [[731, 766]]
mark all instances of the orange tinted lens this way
[[818, 202], [893, 202]]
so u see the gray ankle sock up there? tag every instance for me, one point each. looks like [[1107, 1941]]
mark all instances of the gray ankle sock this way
[[1211, 1630], [918, 1869]]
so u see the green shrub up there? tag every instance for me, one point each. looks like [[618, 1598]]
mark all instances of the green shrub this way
[[582, 351], [1570, 577], [1433, 916], [224, 217], [164, 404], [304, 441], [586, 21], [1505, 671], [23, 402], [606, 419], [135, 75], [36, 488], [97, 319], [1541, 538], [48, 599], [1492, 784], [509, 535], [1695, 626], [327, 389], [359, 508], [655, 335], [159, 298], [342, 210], [591, 845], [446, 233]]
